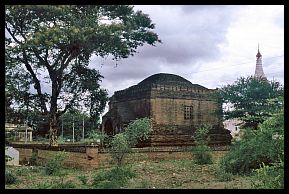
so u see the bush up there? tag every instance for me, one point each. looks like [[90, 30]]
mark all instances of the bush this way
[[222, 175], [63, 185], [138, 130], [114, 178], [121, 143], [202, 154], [262, 147], [119, 148], [54, 165], [10, 177], [22, 171], [83, 179], [269, 177]]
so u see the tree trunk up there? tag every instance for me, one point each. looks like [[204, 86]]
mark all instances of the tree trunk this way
[[53, 111], [53, 130]]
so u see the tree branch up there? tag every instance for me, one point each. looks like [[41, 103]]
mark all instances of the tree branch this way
[[37, 85]]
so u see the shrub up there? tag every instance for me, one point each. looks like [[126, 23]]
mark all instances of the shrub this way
[[222, 175], [202, 154], [22, 171], [10, 177], [83, 179], [54, 165], [121, 143], [269, 177], [114, 178], [138, 130], [261, 147], [119, 148], [33, 159], [63, 185]]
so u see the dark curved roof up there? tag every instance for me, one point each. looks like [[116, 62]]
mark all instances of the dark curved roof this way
[[168, 79]]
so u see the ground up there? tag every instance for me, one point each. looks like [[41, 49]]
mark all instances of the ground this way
[[166, 174]]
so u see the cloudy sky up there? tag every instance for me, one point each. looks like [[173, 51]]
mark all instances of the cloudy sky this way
[[209, 45]]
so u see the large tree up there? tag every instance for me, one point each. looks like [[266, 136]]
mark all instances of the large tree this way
[[54, 45], [251, 99]]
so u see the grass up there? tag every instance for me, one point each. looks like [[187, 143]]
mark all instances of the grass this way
[[165, 174]]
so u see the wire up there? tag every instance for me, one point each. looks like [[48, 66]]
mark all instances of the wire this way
[[232, 65]]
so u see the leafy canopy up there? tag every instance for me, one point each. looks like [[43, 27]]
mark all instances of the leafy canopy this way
[[53, 44], [253, 100]]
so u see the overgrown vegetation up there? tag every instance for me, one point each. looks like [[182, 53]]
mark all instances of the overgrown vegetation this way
[[202, 152], [114, 178], [55, 165], [257, 148], [10, 177], [122, 143], [269, 176]]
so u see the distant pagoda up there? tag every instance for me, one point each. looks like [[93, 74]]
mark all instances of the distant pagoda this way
[[259, 73]]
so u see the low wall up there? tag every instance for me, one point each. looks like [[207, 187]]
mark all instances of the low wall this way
[[79, 156], [90, 157]]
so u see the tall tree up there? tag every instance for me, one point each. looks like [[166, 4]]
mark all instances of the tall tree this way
[[253, 100], [56, 42]]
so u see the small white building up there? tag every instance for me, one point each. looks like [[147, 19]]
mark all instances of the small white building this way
[[233, 125], [18, 132], [14, 154]]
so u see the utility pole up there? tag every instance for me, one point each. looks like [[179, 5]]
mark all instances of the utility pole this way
[[73, 130], [83, 127], [62, 127]]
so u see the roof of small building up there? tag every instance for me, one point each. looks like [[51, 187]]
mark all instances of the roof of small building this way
[[168, 79]]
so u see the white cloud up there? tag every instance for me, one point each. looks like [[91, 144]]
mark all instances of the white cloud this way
[[208, 45]]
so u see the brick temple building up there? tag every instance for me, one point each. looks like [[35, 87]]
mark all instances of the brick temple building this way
[[176, 106]]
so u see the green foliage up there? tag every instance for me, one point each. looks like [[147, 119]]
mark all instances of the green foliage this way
[[201, 151], [201, 134], [83, 179], [96, 136], [114, 178], [222, 175], [119, 148], [253, 100], [54, 165], [10, 177], [63, 185], [202, 154], [138, 130], [59, 40], [33, 159], [121, 143], [56, 185], [264, 146], [269, 176], [22, 171]]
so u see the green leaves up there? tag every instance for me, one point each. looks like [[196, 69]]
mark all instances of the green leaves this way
[[258, 148], [60, 39], [122, 143], [138, 130], [251, 99]]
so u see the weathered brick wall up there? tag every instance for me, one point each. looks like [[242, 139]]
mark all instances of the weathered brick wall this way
[[24, 155], [93, 159], [165, 111], [133, 109]]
